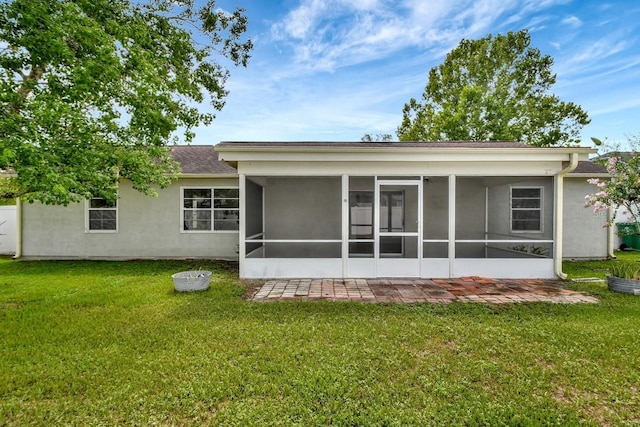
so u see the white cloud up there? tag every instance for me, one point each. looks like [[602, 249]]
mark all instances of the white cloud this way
[[594, 53], [299, 22], [327, 35], [615, 107], [572, 21], [336, 69], [524, 10]]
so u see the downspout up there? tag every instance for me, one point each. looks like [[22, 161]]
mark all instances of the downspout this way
[[18, 254], [559, 223]]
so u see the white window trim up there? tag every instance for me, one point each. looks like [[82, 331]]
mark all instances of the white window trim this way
[[212, 188], [87, 208], [539, 187]]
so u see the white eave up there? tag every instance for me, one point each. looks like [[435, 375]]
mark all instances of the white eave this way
[[397, 152]]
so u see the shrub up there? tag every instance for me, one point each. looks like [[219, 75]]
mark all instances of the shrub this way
[[625, 269]]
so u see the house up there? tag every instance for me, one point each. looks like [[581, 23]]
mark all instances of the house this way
[[327, 209], [138, 226]]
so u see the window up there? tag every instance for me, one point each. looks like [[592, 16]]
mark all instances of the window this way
[[210, 209], [526, 209], [102, 216], [361, 214]]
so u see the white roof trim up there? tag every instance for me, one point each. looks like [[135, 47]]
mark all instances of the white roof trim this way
[[207, 175]]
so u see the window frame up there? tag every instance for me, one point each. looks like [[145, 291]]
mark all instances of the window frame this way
[[212, 209], [539, 209], [87, 214]]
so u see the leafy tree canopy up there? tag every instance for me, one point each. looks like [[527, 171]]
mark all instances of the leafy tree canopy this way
[[378, 137], [491, 89], [93, 91]]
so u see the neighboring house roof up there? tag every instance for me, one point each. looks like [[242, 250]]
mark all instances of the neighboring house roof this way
[[200, 160], [590, 168], [624, 155]]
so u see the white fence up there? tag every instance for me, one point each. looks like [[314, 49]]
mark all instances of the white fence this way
[[8, 229]]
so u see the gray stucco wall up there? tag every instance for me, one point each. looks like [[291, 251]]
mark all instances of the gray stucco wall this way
[[470, 213], [436, 208], [303, 208], [585, 233], [499, 206], [435, 221], [499, 220], [253, 215], [148, 227]]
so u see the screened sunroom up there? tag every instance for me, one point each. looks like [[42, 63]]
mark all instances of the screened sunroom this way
[[432, 210]]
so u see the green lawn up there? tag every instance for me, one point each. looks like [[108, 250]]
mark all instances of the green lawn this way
[[110, 343]]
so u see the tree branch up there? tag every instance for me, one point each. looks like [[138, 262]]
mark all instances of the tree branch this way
[[27, 86]]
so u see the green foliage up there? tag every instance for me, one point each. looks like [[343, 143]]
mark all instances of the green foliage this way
[[93, 91], [111, 343], [625, 269], [378, 137], [535, 250], [7, 190], [491, 89], [622, 189]]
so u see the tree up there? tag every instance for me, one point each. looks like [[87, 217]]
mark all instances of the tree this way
[[494, 88], [94, 91], [378, 137], [623, 188]]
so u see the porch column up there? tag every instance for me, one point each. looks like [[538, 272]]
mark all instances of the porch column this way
[[452, 225], [242, 232], [345, 226], [558, 222]]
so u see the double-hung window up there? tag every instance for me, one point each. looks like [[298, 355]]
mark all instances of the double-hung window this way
[[526, 209], [210, 209], [102, 216]]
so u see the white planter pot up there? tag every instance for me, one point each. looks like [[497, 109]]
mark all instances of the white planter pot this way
[[190, 281]]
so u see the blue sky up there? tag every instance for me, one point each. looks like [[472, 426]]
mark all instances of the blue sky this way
[[337, 69]]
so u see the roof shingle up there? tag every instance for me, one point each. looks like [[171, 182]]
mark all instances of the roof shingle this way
[[590, 167], [199, 159]]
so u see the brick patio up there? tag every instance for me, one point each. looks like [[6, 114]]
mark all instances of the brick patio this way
[[411, 291]]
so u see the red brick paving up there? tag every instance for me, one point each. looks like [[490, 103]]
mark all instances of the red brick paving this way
[[411, 291]]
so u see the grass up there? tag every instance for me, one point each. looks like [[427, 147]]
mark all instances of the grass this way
[[598, 269], [99, 343]]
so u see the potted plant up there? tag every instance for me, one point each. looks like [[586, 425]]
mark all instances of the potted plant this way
[[624, 276]]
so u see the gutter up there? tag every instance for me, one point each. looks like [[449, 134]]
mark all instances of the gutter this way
[[559, 223], [18, 254]]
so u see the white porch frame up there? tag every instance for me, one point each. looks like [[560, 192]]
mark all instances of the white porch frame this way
[[356, 267], [389, 160], [397, 267]]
